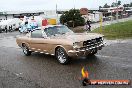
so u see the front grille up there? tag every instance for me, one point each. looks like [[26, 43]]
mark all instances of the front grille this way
[[92, 42]]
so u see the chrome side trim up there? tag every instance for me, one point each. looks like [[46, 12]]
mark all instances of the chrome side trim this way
[[41, 52], [82, 50], [52, 54]]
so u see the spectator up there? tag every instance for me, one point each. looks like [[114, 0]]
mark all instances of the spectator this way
[[6, 28], [10, 28], [88, 26]]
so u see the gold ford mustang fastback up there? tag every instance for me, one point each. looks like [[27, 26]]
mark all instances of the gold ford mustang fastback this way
[[60, 41]]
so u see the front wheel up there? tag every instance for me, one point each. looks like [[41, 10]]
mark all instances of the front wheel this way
[[92, 54], [62, 56], [26, 50]]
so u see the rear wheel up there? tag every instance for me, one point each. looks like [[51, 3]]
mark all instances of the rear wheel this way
[[26, 50], [62, 56]]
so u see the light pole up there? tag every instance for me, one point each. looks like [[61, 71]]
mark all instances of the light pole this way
[[5, 15], [57, 10], [74, 3], [117, 10]]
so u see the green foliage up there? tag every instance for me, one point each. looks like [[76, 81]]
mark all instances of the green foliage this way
[[128, 5], [106, 6], [114, 4], [131, 4], [72, 18], [100, 7], [119, 2]]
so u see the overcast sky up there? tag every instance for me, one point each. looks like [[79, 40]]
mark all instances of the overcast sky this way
[[15, 5]]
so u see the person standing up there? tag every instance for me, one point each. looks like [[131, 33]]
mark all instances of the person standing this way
[[88, 26], [6, 28], [10, 28]]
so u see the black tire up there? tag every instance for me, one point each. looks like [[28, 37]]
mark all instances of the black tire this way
[[92, 54], [26, 50], [62, 56]]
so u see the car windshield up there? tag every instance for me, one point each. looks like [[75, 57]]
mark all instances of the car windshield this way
[[57, 30]]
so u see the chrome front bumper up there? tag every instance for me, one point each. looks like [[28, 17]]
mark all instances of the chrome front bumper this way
[[85, 51]]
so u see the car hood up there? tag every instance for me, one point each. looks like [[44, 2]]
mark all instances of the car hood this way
[[78, 37]]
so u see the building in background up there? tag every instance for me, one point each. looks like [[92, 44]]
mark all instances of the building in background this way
[[93, 14], [19, 14], [110, 13], [128, 10], [84, 11]]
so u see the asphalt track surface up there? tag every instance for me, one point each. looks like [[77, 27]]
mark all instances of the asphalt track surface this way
[[114, 61]]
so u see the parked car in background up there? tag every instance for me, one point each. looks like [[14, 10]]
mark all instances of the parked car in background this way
[[60, 41]]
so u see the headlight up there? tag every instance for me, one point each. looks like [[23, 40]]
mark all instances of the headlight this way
[[76, 45]]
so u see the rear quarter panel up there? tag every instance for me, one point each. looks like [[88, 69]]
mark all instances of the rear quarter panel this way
[[21, 40]]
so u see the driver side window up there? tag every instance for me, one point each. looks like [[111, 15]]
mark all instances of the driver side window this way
[[48, 31], [51, 31], [36, 34]]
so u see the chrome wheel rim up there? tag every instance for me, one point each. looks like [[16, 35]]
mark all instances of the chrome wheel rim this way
[[25, 49], [61, 56]]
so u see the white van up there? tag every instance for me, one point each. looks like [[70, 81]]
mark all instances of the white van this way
[[12, 24]]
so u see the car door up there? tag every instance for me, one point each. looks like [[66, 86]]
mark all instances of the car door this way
[[51, 43], [37, 41]]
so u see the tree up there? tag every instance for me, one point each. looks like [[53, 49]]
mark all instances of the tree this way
[[127, 5], [113, 4], [130, 4], [124, 5], [100, 7], [119, 2], [72, 18], [106, 6]]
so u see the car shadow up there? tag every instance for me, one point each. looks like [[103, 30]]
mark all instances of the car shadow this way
[[85, 60], [43, 58], [73, 61]]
